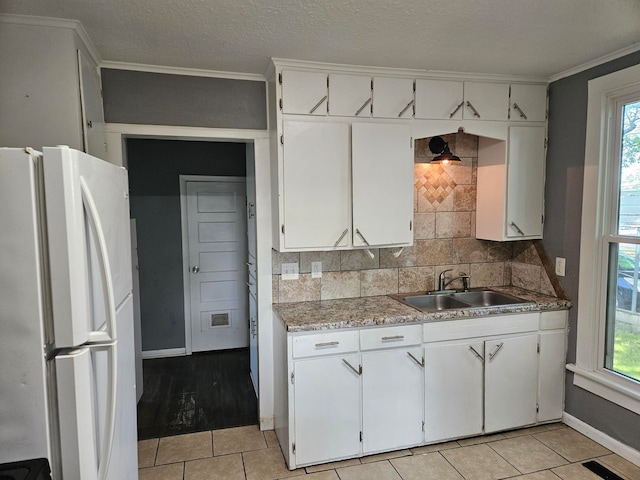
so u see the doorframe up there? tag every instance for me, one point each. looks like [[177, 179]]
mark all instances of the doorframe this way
[[117, 133], [186, 278]]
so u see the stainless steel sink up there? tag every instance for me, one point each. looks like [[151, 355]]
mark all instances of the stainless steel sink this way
[[438, 301], [487, 298], [434, 302]]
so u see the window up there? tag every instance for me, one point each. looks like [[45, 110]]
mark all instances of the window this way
[[608, 348]]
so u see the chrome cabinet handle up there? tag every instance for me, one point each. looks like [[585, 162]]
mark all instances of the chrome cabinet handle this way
[[326, 344], [475, 112], [421, 363], [513, 224], [249, 284], [456, 110], [357, 372], [362, 107], [495, 351], [341, 237], [394, 337], [318, 104], [362, 237], [522, 114], [476, 353], [195, 269], [405, 108]]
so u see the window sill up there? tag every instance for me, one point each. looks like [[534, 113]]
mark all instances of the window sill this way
[[610, 386]]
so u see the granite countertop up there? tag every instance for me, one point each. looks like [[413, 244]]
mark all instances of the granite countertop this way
[[384, 310]]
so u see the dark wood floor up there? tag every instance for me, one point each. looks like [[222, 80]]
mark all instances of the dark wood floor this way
[[194, 393]]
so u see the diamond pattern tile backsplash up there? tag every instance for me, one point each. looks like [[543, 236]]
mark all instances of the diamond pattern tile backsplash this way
[[444, 237], [435, 184]]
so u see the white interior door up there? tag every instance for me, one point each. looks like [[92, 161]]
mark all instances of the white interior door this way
[[216, 223]]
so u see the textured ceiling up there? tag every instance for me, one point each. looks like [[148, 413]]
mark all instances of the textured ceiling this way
[[520, 37]]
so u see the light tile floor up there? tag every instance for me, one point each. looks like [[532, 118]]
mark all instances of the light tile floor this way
[[548, 452]]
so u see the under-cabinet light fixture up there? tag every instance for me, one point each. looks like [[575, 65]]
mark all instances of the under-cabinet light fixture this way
[[438, 146]]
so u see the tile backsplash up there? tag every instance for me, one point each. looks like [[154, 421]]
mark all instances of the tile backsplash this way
[[444, 237]]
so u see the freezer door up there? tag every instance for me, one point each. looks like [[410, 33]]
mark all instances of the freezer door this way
[[97, 407], [87, 209]]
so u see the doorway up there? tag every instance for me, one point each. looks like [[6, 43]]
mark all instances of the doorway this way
[[214, 244]]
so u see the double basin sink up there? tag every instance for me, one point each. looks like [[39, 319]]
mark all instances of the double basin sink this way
[[453, 300]]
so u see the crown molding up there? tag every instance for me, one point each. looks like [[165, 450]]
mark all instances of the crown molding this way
[[55, 23], [594, 63], [193, 72]]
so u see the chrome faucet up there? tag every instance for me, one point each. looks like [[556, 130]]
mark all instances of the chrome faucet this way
[[443, 283]]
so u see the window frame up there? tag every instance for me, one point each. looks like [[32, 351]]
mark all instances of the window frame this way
[[599, 216]]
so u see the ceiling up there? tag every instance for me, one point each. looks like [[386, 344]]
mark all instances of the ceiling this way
[[513, 37]]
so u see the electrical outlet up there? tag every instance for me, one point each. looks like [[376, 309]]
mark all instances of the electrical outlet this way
[[290, 271], [316, 269], [560, 266]]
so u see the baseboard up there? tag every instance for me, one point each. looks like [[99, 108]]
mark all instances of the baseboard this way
[[167, 352], [617, 447]]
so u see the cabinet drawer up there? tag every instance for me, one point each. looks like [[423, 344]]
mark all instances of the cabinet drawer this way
[[553, 320], [325, 344], [481, 326], [388, 337]]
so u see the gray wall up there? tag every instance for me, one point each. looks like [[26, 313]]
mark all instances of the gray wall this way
[[565, 167], [154, 169], [163, 99]]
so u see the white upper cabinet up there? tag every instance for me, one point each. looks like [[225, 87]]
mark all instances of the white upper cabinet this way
[[510, 190], [316, 183], [486, 101], [450, 99], [439, 99], [304, 93], [382, 168], [528, 103], [350, 95], [525, 187], [392, 97]]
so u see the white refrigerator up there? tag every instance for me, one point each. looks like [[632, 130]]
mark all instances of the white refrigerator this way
[[67, 374]]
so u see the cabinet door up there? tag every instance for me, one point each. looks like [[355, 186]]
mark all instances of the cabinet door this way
[[528, 103], [304, 92], [511, 379], [392, 97], [453, 389], [326, 409], [95, 142], [316, 180], [486, 101], [392, 399], [382, 166], [350, 95], [551, 375], [439, 99], [525, 184]]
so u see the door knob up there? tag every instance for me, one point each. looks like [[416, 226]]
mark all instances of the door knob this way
[[195, 269]]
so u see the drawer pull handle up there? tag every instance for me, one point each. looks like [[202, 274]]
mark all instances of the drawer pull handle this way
[[473, 110], [394, 337], [357, 372], [476, 353], [513, 224], [421, 363], [496, 350], [326, 344]]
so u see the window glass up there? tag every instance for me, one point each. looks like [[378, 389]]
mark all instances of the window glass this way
[[622, 348]]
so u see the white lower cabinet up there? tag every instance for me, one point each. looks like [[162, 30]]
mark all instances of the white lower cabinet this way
[[349, 393], [392, 399], [510, 382], [453, 389], [327, 408]]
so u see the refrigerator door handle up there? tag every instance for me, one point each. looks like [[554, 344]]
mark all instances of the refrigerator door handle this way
[[110, 421], [110, 333]]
